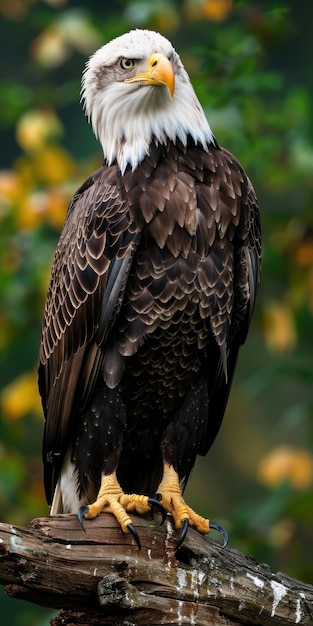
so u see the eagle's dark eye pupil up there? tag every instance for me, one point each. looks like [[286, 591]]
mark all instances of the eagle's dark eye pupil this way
[[127, 64]]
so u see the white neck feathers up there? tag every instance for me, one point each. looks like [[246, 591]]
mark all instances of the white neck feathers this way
[[127, 117]]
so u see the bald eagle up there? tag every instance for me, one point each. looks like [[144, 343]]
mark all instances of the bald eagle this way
[[151, 294]]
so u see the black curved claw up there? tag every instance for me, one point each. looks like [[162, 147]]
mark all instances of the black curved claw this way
[[183, 533], [80, 515], [133, 531], [221, 529], [156, 504]]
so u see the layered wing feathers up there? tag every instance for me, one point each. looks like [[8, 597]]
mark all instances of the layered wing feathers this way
[[88, 277]]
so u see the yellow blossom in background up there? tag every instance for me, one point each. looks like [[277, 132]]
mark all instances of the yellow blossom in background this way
[[10, 186], [11, 191], [286, 464], [70, 31], [167, 21], [56, 205], [43, 206], [24, 169], [35, 127], [213, 10], [34, 193], [217, 10], [21, 397], [50, 48], [279, 327], [52, 165], [30, 212]]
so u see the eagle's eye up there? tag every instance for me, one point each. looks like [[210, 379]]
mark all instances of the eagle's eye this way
[[127, 64]]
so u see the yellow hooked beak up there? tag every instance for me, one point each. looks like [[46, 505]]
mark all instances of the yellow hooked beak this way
[[160, 72]]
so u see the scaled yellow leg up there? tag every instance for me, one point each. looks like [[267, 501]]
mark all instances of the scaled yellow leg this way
[[174, 503]]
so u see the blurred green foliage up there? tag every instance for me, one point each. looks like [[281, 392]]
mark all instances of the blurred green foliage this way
[[250, 63]]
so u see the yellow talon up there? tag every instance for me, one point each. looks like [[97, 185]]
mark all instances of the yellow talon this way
[[112, 499], [174, 503]]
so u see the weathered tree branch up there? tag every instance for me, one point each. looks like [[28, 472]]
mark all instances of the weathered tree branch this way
[[100, 577]]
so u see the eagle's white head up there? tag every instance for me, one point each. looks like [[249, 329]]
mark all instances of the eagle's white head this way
[[136, 89]]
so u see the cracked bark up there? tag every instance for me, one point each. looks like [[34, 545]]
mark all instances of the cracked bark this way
[[100, 577]]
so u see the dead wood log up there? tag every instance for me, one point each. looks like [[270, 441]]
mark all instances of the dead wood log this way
[[100, 577]]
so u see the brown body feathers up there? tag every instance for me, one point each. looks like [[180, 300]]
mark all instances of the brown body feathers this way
[[151, 295]]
